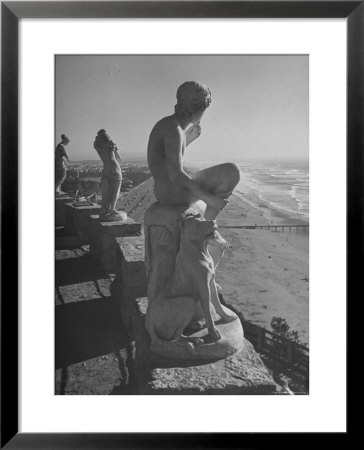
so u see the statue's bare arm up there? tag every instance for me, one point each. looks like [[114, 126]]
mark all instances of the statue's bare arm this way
[[117, 156], [192, 133], [173, 145]]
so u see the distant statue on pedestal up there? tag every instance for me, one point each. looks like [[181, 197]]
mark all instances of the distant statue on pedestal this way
[[111, 177], [60, 163], [178, 229]]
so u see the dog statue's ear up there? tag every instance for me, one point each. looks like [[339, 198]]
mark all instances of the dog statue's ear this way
[[190, 213]]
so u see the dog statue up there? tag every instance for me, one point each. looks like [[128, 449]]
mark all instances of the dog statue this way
[[192, 286]]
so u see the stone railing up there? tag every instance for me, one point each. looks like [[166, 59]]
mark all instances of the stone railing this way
[[118, 247]]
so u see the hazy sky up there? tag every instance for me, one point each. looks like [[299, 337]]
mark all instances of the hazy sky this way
[[259, 104]]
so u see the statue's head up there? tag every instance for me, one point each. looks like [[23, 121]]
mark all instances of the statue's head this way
[[196, 228], [192, 100], [65, 139], [103, 140]]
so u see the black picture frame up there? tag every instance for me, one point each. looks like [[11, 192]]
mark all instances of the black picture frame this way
[[11, 12]]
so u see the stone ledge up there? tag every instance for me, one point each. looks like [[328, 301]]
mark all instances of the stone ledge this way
[[102, 375], [77, 219], [240, 374], [132, 268], [119, 228], [107, 242], [132, 247], [243, 373], [64, 199], [60, 212], [88, 209]]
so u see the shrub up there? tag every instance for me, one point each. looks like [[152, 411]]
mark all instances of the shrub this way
[[280, 326]]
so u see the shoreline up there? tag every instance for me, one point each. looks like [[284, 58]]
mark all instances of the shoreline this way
[[266, 273]]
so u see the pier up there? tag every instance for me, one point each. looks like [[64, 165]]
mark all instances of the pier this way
[[277, 227]]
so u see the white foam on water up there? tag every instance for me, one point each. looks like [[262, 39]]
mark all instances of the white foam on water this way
[[278, 188]]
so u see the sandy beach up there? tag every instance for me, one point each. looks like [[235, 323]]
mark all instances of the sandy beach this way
[[266, 272]]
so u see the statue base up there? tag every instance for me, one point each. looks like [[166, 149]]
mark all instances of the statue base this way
[[242, 373], [121, 217], [231, 341]]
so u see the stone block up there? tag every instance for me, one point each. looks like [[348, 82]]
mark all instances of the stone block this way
[[77, 219], [107, 239], [132, 268], [131, 281], [242, 373], [142, 343], [125, 299], [60, 212], [162, 235], [119, 228], [107, 252], [103, 375]]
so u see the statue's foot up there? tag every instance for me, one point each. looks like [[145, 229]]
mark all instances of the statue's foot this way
[[188, 343], [114, 216], [213, 336], [221, 241], [114, 212], [226, 318], [195, 325], [194, 340]]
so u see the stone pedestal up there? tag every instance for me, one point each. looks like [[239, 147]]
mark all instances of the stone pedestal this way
[[131, 280], [162, 233], [242, 373], [77, 219], [60, 212], [105, 239]]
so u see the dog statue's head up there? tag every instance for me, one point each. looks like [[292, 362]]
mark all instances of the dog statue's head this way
[[196, 228]]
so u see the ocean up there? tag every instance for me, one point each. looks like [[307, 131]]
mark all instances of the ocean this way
[[279, 189]]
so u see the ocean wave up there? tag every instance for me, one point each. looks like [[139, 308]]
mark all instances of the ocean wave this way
[[276, 188]]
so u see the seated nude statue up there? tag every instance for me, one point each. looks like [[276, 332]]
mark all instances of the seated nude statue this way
[[111, 176], [207, 189], [205, 192], [192, 286]]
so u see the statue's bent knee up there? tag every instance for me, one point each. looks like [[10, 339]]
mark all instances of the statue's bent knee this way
[[234, 173]]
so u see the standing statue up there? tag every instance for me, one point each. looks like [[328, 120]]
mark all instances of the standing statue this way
[[111, 176], [189, 293], [60, 163]]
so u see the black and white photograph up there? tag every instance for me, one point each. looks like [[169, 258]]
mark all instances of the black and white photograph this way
[[182, 205], [182, 224]]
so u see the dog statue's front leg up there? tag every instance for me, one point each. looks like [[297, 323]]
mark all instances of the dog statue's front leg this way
[[225, 313], [205, 298]]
